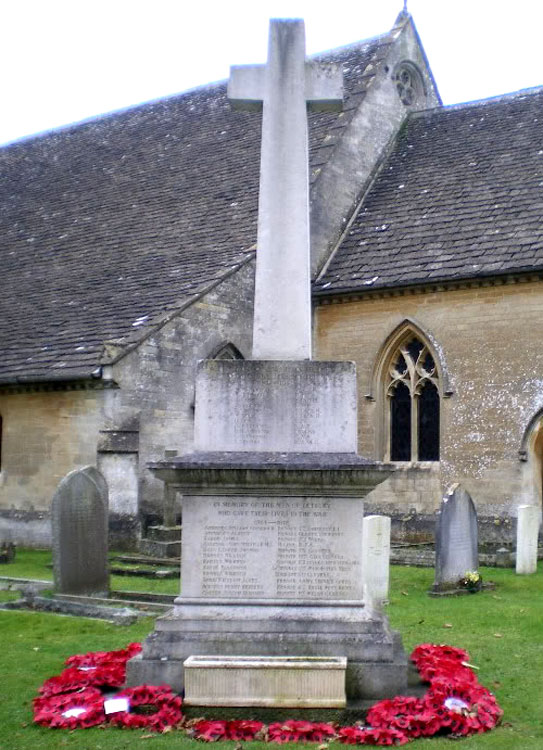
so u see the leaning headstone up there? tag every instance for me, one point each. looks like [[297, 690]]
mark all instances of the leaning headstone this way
[[527, 534], [80, 533], [456, 539], [376, 558]]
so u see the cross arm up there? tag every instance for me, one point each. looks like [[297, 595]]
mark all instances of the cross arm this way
[[324, 86], [246, 87]]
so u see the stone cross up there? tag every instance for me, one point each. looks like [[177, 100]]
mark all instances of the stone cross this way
[[283, 88]]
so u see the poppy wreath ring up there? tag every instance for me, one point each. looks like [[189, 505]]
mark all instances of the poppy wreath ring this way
[[167, 705], [76, 710]]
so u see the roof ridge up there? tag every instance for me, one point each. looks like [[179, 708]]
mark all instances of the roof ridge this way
[[200, 88], [509, 96], [112, 113], [351, 45]]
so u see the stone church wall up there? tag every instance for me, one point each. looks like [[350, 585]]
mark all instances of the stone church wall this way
[[147, 407], [45, 435], [153, 408], [489, 341]]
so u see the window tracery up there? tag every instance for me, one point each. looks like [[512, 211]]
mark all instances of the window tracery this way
[[413, 400], [407, 83]]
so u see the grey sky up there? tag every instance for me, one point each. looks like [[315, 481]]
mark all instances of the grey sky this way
[[66, 60]]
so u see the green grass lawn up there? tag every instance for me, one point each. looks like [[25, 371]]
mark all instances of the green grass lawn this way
[[36, 563], [502, 630]]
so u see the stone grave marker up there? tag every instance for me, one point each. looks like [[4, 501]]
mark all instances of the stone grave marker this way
[[456, 539], [80, 533], [376, 558], [527, 534]]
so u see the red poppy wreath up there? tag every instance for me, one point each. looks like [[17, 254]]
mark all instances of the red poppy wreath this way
[[454, 704], [76, 710], [150, 707]]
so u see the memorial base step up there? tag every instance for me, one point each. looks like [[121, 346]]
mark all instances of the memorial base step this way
[[376, 661], [365, 681]]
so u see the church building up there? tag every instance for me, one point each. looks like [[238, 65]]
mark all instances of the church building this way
[[127, 251]]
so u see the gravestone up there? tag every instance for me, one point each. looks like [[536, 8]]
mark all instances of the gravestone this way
[[79, 516], [376, 558], [456, 539], [527, 534], [273, 493]]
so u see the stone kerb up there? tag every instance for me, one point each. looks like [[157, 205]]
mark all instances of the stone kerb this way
[[456, 539], [79, 516], [529, 518]]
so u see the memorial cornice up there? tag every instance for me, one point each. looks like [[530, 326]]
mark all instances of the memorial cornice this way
[[209, 473]]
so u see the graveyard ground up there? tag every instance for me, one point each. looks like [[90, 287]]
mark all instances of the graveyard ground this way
[[501, 629]]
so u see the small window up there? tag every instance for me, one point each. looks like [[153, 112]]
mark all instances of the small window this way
[[227, 351], [413, 403], [408, 82]]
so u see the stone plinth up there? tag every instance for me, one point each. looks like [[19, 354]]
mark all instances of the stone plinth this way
[[272, 565], [278, 681], [300, 407]]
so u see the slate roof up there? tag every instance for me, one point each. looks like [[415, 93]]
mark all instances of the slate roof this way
[[109, 225], [460, 197]]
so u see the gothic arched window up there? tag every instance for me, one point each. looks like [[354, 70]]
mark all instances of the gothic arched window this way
[[226, 351], [413, 401]]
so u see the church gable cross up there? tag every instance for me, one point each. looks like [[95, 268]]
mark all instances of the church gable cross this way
[[283, 88]]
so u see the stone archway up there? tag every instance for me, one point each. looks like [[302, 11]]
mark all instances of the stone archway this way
[[531, 454]]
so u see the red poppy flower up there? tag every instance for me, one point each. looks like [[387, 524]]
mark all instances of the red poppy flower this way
[[210, 731], [379, 736], [75, 678], [242, 730], [96, 658]]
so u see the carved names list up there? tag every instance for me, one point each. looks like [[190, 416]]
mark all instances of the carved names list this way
[[280, 547]]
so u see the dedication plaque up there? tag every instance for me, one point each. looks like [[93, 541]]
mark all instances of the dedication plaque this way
[[272, 548]]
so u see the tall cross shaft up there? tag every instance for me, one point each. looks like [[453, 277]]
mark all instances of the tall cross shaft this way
[[283, 87]]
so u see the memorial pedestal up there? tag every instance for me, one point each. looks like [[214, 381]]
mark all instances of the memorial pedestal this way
[[272, 565]]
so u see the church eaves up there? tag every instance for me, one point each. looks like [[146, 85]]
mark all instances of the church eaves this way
[[459, 198]]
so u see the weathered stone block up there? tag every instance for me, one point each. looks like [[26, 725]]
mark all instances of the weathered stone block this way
[[276, 406], [297, 681]]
